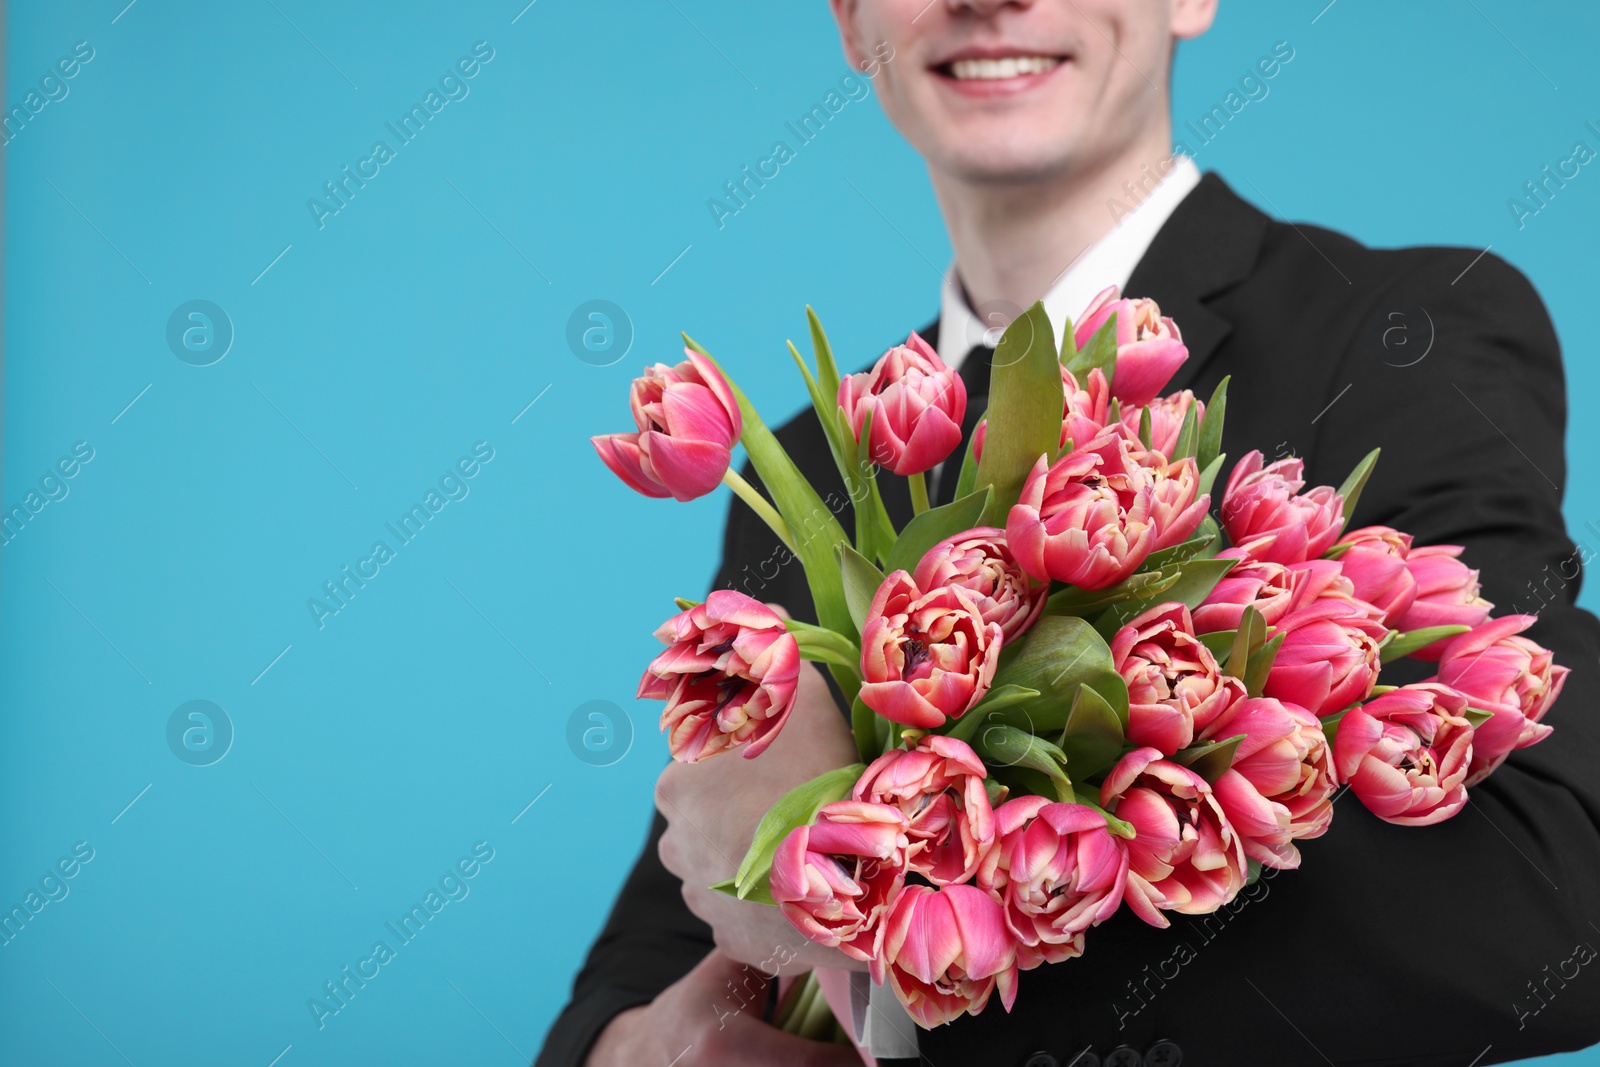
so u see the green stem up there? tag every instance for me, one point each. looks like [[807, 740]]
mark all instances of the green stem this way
[[818, 1021], [758, 503], [796, 1003], [919, 492]]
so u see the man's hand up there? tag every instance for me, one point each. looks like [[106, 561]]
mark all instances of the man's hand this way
[[711, 1016], [712, 809]]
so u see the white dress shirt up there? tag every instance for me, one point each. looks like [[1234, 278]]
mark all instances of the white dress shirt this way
[[1109, 261], [880, 1024]]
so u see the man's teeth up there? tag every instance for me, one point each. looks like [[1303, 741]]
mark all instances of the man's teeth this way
[[1009, 67]]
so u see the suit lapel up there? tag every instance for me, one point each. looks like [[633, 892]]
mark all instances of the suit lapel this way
[[1208, 245]]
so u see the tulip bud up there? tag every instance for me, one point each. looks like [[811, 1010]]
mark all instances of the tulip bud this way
[[939, 785], [1251, 583], [1088, 519], [1513, 678], [835, 879], [1405, 754], [1149, 347], [1166, 419], [980, 562], [1185, 855], [1057, 871], [916, 402], [926, 657], [1329, 658], [729, 677], [688, 424], [1447, 595], [1175, 688], [1375, 564], [945, 951], [1281, 784], [1264, 512]]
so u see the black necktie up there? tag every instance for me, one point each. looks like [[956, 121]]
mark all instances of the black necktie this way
[[974, 373]]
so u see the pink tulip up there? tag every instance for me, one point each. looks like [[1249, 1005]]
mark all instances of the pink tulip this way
[[1058, 871], [729, 677], [1087, 519], [926, 657], [939, 785], [1177, 503], [1375, 564], [1406, 753], [980, 562], [1329, 658], [1447, 595], [1149, 347], [1166, 419], [835, 879], [1264, 512], [1509, 676], [1251, 583], [916, 403], [1175, 688], [1185, 856], [688, 424], [1281, 785], [944, 952]]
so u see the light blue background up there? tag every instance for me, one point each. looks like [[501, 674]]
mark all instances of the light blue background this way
[[423, 318]]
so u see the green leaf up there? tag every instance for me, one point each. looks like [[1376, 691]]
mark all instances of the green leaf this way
[[1330, 723], [968, 481], [1351, 489], [1408, 642], [1093, 737], [685, 605], [1188, 436], [871, 730], [1209, 446], [827, 369], [797, 807], [861, 579], [1144, 426], [1101, 351], [999, 706], [1220, 643], [1007, 746], [1055, 656], [1025, 402], [824, 646], [1477, 716], [1195, 581], [1208, 475], [1259, 664], [1210, 760], [1143, 586], [812, 524], [1251, 635], [933, 526], [874, 529], [1179, 553]]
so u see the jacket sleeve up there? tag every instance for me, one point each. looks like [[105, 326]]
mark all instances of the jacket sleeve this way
[[651, 938], [1468, 942], [1471, 924]]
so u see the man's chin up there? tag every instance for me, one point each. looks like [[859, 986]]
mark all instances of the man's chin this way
[[992, 161]]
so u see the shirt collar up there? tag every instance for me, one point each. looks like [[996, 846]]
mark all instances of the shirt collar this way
[[1109, 261]]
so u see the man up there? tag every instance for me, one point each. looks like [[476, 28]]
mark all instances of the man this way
[[1456, 944]]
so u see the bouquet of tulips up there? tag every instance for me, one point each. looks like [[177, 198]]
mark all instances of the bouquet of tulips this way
[[1073, 688]]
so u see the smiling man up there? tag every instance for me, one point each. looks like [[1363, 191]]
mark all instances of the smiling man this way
[[1393, 946]]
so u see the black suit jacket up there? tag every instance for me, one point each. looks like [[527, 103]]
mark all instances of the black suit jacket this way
[[1447, 945]]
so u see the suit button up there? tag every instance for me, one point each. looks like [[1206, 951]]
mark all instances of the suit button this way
[[1163, 1054], [1123, 1056], [1086, 1058], [1042, 1059]]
